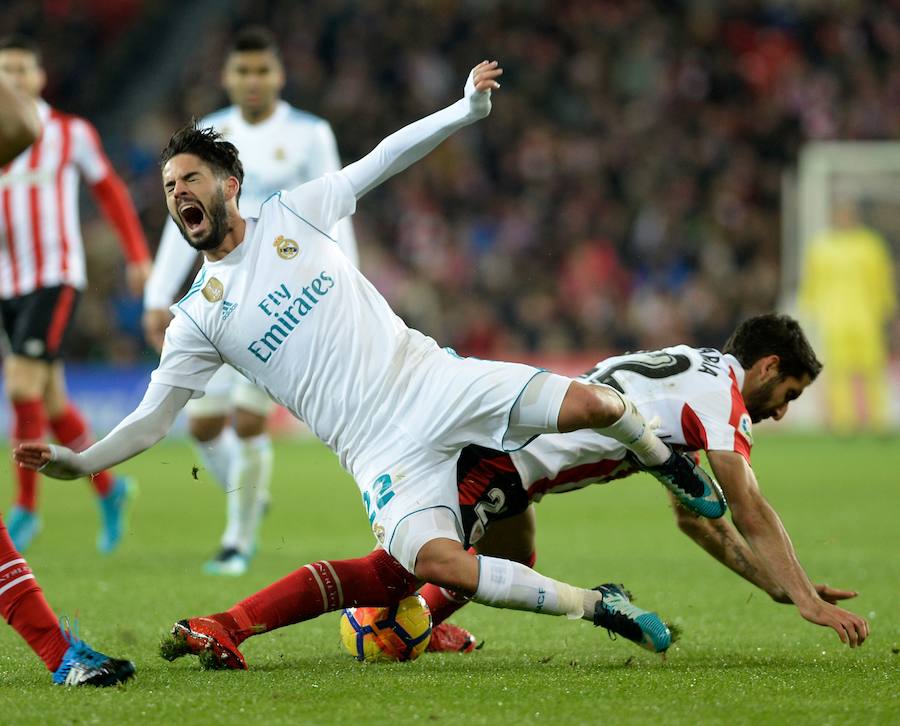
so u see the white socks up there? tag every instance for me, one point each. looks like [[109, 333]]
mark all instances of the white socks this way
[[507, 584], [633, 431], [248, 492], [218, 454]]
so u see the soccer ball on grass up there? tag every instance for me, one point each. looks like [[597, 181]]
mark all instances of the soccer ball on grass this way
[[396, 633]]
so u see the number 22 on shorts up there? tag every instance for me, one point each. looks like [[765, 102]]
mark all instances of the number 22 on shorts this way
[[378, 495]]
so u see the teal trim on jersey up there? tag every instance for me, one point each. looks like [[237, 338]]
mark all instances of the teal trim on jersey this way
[[194, 288], [537, 372], [197, 325], [423, 509], [302, 219]]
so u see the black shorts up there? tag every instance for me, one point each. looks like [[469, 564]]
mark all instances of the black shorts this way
[[490, 489], [36, 324]]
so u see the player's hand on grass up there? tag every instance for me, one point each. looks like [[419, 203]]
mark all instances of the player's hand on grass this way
[[155, 322], [54, 461], [826, 592], [850, 627], [481, 81]]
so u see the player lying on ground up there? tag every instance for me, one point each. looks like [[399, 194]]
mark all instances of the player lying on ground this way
[[704, 400], [22, 604], [281, 303]]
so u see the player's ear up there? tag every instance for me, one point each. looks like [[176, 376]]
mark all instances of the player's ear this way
[[231, 188], [770, 367]]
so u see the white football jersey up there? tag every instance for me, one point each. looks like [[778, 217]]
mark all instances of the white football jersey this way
[[695, 392], [289, 148], [288, 310]]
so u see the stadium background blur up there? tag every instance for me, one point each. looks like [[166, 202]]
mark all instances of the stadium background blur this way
[[625, 193]]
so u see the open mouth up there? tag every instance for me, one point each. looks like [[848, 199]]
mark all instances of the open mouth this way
[[192, 216]]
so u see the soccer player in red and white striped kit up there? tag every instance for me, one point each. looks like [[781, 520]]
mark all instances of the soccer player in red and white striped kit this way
[[42, 271], [70, 660]]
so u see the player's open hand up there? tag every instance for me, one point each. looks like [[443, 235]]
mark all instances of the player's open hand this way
[[47, 459], [481, 81], [829, 594], [850, 627]]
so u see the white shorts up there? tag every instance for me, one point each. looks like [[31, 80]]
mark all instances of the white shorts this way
[[408, 481], [227, 390]]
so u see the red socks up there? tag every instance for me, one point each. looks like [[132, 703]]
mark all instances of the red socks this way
[[443, 603], [28, 425], [375, 580], [23, 606], [70, 429]]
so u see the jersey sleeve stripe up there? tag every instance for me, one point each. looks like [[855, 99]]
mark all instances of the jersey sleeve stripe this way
[[738, 409], [692, 427]]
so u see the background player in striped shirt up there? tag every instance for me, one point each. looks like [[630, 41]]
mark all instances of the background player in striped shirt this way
[[22, 603], [704, 400], [42, 271], [281, 147]]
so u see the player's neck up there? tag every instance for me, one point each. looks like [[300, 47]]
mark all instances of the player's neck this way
[[237, 227], [253, 116]]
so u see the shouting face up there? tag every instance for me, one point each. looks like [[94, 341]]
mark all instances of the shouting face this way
[[195, 196]]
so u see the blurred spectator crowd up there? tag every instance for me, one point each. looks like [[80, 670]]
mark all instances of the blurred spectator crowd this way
[[624, 193]]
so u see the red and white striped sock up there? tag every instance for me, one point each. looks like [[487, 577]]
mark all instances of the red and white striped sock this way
[[70, 429], [23, 606], [320, 587]]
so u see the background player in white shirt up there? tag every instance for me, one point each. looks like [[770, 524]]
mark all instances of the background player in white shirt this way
[[42, 274], [281, 147], [704, 399], [278, 300]]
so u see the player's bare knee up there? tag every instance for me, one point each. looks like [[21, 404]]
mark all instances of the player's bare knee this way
[[248, 424], [445, 563], [589, 406], [206, 428], [25, 379]]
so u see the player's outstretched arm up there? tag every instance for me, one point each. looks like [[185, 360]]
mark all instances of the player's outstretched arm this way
[[720, 538], [411, 143], [140, 430], [764, 532], [20, 125]]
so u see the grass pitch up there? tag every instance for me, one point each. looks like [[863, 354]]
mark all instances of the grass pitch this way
[[741, 657]]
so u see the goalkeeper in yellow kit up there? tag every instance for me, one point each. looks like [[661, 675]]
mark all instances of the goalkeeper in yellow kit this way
[[848, 290]]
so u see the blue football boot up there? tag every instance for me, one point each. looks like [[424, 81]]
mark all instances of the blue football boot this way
[[615, 612], [23, 526], [696, 490], [83, 666]]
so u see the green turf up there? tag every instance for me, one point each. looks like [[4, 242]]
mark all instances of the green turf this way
[[741, 659]]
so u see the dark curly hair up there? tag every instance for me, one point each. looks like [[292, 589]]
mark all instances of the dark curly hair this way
[[208, 144], [773, 334]]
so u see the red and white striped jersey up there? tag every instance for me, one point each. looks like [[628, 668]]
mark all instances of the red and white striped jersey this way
[[40, 232], [695, 392]]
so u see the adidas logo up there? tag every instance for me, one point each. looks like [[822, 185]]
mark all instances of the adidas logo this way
[[227, 309]]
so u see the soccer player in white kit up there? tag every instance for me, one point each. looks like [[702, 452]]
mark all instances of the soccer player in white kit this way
[[703, 399], [281, 147], [280, 302]]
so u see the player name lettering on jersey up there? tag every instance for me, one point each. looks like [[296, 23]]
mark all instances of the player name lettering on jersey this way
[[296, 308], [711, 361]]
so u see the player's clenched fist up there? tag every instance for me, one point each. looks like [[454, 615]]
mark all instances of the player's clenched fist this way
[[481, 81]]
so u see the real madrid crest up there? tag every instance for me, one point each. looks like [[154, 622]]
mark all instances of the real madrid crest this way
[[287, 249], [213, 290]]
